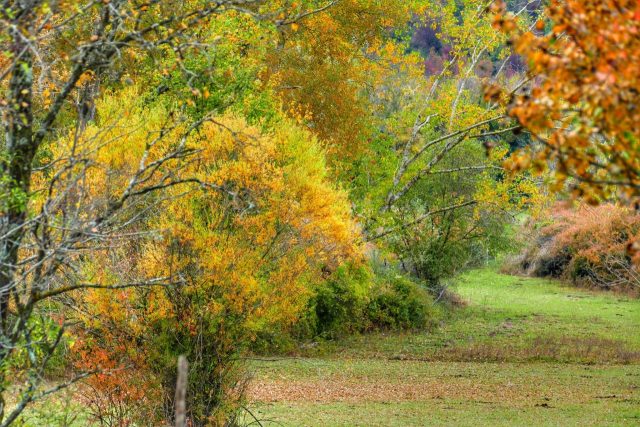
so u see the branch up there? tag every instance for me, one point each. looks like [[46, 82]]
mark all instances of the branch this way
[[303, 15], [466, 168], [422, 218], [453, 135], [54, 292]]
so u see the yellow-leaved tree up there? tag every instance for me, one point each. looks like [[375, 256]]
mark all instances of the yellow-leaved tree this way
[[326, 66], [238, 252]]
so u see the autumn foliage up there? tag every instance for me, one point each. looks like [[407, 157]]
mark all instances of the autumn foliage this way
[[324, 69], [246, 246], [211, 179], [581, 100]]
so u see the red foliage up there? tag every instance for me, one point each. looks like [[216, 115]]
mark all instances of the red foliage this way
[[583, 57], [592, 232], [118, 394]]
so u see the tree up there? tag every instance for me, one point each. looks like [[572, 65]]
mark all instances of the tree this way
[[56, 58], [581, 103], [436, 190], [326, 68], [248, 258]]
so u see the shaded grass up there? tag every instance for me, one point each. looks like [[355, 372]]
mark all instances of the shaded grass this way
[[377, 392], [448, 412]]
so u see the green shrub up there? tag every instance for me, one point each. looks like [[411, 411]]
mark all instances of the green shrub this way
[[338, 306], [399, 303], [354, 300]]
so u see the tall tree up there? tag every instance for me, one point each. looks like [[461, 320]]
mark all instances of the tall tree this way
[[56, 57], [437, 191]]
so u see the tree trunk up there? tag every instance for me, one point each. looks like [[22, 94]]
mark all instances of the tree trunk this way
[[15, 177]]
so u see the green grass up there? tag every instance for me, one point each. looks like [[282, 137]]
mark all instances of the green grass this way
[[523, 352], [60, 409], [554, 309], [456, 413], [510, 319]]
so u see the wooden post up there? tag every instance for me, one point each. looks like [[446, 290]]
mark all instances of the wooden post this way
[[181, 392]]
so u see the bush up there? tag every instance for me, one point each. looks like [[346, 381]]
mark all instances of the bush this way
[[443, 245], [586, 246], [137, 386], [338, 306], [216, 383], [354, 300], [399, 303]]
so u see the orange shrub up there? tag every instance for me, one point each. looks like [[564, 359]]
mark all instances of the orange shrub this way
[[586, 245], [123, 391]]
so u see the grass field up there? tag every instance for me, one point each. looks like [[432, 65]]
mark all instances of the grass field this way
[[523, 352]]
